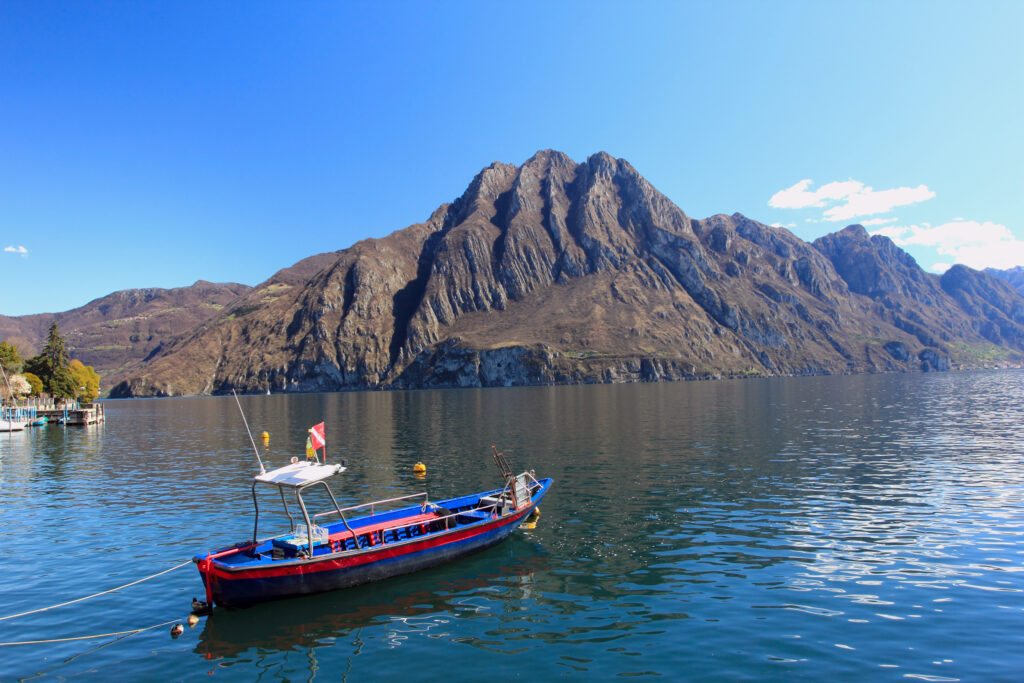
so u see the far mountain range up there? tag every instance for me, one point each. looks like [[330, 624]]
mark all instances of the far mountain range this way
[[551, 272]]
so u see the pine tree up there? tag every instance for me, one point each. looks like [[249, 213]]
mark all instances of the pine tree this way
[[55, 349], [51, 366]]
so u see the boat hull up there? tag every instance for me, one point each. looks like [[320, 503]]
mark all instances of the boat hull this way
[[11, 426], [246, 585]]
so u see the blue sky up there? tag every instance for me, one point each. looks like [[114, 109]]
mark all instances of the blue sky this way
[[155, 144]]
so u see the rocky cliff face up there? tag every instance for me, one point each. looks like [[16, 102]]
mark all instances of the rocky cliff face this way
[[995, 308], [114, 331], [905, 296], [1014, 276], [562, 272]]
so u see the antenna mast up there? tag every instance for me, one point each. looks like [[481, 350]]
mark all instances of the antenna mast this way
[[254, 449]]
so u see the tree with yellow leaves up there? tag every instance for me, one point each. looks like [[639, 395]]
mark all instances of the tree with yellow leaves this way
[[87, 381]]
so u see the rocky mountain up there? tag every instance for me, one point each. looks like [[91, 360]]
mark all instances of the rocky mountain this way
[[1015, 276], [996, 309], [557, 272], [123, 329], [114, 331]]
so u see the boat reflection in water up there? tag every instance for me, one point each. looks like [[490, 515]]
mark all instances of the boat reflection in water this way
[[414, 602]]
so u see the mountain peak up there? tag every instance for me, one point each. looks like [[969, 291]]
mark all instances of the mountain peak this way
[[604, 164], [855, 231], [550, 156], [563, 272]]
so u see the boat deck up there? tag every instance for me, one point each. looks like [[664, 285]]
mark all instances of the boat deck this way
[[367, 532]]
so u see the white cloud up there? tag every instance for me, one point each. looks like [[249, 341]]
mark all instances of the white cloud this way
[[894, 232], [879, 221], [974, 244], [957, 234], [867, 202], [797, 196], [783, 225], [16, 250], [940, 268], [847, 199]]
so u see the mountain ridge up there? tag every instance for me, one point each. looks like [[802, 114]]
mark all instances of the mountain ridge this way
[[122, 327], [554, 272], [1014, 276]]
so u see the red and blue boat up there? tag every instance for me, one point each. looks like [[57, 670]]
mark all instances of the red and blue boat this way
[[344, 547]]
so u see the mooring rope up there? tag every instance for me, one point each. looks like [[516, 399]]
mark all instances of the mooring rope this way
[[98, 635], [94, 595]]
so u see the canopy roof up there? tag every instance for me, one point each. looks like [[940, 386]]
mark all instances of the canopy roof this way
[[299, 474]]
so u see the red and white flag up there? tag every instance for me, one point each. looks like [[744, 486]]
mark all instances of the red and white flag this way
[[316, 435]]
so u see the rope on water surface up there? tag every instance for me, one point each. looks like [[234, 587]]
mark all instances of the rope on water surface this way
[[98, 635], [94, 595]]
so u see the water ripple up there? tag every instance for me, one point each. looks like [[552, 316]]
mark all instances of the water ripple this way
[[849, 527]]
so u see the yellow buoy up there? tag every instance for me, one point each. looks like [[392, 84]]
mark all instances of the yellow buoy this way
[[192, 620], [419, 468], [531, 521], [266, 436]]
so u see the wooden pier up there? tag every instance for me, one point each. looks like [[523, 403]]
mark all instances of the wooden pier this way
[[68, 413], [82, 415]]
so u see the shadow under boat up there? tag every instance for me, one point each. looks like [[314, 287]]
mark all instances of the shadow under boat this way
[[311, 620]]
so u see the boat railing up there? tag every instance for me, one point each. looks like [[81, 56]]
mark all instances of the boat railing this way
[[401, 524], [508, 493], [371, 505], [382, 531]]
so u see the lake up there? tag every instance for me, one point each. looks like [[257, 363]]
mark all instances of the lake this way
[[865, 527]]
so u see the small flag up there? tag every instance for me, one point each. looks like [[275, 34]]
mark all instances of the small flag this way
[[316, 434]]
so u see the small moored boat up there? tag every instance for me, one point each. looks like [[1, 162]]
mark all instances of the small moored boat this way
[[344, 547], [11, 425], [11, 417]]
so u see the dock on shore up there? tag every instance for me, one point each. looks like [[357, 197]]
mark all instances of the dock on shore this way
[[83, 415], [68, 413]]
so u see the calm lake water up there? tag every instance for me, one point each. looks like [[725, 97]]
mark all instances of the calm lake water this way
[[867, 527]]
